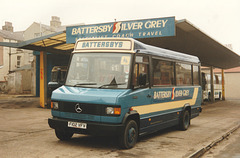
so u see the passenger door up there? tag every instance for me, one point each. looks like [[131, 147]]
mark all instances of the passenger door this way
[[141, 84]]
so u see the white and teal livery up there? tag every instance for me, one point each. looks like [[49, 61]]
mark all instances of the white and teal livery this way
[[122, 87]]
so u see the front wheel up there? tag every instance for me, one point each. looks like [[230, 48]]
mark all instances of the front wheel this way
[[63, 135], [129, 135], [184, 121]]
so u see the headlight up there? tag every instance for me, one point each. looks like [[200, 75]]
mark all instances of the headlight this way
[[113, 111], [54, 105], [110, 110]]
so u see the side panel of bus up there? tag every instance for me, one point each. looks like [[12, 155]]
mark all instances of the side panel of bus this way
[[166, 107], [174, 86]]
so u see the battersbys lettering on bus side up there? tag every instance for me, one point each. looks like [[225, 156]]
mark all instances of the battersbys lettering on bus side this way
[[162, 94], [170, 94]]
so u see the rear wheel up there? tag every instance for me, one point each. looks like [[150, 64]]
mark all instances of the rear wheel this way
[[129, 135], [184, 120], [63, 134]]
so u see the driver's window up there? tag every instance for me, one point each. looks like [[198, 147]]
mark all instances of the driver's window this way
[[141, 72]]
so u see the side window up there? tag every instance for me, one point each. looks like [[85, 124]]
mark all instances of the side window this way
[[18, 61], [195, 75], [183, 74], [141, 72], [163, 73]]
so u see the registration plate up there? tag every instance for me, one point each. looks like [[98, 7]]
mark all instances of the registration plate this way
[[77, 125]]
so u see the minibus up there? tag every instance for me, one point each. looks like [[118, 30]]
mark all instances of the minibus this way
[[125, 88], [206, 86]]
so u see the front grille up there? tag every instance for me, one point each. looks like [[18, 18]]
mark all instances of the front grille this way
[[93, 109]]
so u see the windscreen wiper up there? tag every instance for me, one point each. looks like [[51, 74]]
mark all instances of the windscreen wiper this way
[[82, 84], [112, 84]]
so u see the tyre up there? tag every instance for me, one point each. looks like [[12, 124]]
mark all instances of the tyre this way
[[63, 134], [184, 121], [129, 135]]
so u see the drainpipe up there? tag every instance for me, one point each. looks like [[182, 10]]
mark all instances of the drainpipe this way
[[10, 60]]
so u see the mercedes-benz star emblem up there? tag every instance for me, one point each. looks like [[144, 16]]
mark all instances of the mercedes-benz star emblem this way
[[78, 108]]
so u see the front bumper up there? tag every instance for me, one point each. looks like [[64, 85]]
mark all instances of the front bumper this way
[[93, 128]]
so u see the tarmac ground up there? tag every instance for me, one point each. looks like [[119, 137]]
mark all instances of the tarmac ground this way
[[24, 132]]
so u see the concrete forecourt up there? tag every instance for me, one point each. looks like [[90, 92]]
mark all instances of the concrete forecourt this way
[[24, 128]]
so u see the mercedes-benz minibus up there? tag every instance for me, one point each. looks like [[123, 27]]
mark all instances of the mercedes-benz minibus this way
[[122, 87]]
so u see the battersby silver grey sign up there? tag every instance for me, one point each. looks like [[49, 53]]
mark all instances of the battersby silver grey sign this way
[[147, 28]]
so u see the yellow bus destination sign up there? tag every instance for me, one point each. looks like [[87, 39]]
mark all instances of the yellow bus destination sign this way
[[147, 28]]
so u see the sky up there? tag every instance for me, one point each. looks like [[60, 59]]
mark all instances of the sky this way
[[219, 19]]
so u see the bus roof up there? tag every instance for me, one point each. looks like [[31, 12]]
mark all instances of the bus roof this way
[[129, 45], [164, 53]]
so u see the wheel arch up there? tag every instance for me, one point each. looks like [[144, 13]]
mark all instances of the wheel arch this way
[[132, 115], [187, 106]]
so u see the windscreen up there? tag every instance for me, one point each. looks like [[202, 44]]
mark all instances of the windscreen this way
[[99, 70]]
